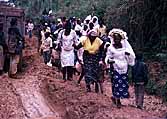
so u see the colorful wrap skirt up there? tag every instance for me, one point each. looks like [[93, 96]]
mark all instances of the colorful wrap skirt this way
[[91, 67], [120, 85]]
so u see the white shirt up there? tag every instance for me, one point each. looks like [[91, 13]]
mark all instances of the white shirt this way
[[47, 44], [121, 61], [67, 49], [67, 41]]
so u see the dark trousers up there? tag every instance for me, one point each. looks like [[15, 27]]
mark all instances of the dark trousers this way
[[139, 93], [67, 73], [30, 34], [46, 56], [6, 63]]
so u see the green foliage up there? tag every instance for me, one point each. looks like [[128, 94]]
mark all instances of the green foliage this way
[[155, 88], [152, 87], [164, 92], [79, 8], [161, 56], [67, 3]]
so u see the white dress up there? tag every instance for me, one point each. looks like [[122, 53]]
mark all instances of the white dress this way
[[67, 50], [121, 61]]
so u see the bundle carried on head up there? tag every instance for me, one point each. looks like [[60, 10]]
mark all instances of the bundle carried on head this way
[[122, 33]]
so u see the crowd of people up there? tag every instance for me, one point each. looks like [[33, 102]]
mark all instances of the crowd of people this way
[[86, 47], [89, 48]]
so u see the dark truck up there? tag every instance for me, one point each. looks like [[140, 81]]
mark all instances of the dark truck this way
[[7, 12]]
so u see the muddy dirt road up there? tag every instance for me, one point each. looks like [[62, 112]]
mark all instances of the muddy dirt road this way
[[41, 94]]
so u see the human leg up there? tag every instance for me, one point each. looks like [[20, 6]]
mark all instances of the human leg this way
[[140, 96], [14, 60]]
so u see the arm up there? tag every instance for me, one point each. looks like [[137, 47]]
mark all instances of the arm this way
[[59, 40], [109, 56], [102, 52], [21, 38], [129, 53], [51, 43], [77, 47], [76, 42], [19, 34], [81, 43]]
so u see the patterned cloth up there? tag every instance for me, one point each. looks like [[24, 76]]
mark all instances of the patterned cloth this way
[[120, 85], [91, 67]]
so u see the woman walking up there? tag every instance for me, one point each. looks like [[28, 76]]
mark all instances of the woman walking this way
[[91, 58], [119, 55], [66, 39]]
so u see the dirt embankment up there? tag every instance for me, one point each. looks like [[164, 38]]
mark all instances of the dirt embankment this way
[[10, 103]]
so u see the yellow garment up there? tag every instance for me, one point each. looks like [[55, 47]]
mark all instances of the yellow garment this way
[[91, 48]]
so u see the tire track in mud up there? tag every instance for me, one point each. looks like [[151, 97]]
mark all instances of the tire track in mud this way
[[34, 104], [28, 88]]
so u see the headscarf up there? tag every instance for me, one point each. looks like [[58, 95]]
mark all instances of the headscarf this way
[[124, 40], [93, 32], [97, 22], [120, 32], [88, 18]]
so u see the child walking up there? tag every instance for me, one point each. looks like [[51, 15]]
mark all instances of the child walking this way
[[46, 46], [140, 79]]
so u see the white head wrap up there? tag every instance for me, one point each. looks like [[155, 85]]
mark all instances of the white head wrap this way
[[124, 40], [118, 31], [88, 18], [97, 22]]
